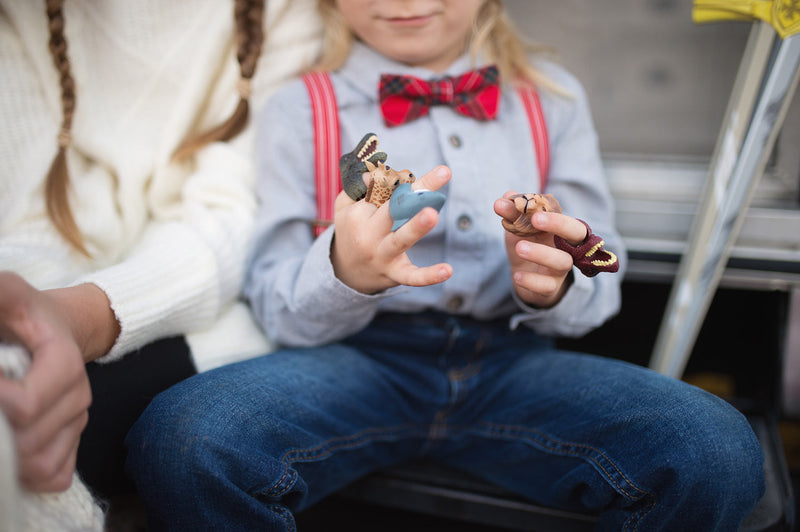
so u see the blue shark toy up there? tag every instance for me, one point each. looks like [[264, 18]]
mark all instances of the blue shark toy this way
[[405, 203]]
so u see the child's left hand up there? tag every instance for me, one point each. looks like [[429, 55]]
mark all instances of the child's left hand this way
[[540, 272]]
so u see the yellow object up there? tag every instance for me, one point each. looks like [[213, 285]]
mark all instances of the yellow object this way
[[783, 15]]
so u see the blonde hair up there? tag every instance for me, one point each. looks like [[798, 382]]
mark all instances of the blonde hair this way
[[493, 36], [248, 16]]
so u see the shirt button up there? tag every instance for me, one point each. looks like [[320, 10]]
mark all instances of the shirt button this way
[[464, 223], [455, 303], [455, 141]]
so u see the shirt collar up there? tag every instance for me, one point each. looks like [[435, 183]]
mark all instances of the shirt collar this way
[[364, 67]]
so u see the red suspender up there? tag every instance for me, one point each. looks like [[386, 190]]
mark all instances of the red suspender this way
[[327, 144], [533, 108]]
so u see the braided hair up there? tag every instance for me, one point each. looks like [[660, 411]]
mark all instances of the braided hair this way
[[57, 181], [248, 15]]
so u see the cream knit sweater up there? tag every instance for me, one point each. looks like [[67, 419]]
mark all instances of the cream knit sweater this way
[[168, 241]]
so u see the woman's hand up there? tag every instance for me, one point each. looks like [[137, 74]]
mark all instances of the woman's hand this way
[[540, 272], [369, 257], [48, 408]]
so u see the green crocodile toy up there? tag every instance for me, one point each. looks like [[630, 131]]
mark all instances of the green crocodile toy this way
[[353, 164]]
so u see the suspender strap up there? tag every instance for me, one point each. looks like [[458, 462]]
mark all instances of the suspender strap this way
[[326, 146], [541, 142]]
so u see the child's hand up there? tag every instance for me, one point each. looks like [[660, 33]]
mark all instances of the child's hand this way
[[539, 271], [48, 407], [369, 257]]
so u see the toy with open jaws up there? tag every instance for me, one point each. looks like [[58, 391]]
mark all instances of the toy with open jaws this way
[[384, 183], [589, 256]]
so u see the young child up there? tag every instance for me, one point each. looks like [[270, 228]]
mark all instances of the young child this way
[[123, 240], [435, 340]]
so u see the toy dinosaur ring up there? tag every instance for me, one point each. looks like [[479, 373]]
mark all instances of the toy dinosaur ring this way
[[589, 256], [527, 205], [384, 182]]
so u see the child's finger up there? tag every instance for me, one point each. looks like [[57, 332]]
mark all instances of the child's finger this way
[[537, 284], [52, 469], [433, 180], [342, 201], [508, 194], [398, 242], [72, 406], [562, 225], [506, 209], [411, 275], [551, 258]]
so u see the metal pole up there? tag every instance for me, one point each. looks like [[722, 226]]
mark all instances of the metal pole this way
[[731, 182]]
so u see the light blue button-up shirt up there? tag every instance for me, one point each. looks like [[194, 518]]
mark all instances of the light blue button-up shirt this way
[[291, 284]]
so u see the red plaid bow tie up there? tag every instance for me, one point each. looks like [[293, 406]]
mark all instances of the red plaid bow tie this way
[[406, 98]]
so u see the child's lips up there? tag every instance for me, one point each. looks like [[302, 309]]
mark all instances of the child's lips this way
[[415, 20]]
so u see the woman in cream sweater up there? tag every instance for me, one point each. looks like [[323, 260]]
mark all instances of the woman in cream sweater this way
[[120, 222]]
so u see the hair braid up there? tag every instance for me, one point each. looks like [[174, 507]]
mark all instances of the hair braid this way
[[248, 17], [57, 181]]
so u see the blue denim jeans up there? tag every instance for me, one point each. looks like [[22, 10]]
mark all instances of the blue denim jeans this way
[[246, 446]]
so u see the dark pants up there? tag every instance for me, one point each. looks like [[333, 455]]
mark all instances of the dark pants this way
[[121, 391]]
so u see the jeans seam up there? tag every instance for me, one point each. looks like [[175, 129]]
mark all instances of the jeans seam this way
[[331, 446], [284, 514], [641, 514], [580, 450]]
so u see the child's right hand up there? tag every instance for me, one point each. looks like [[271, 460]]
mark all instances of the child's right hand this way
[[369, 257], [48, 407]]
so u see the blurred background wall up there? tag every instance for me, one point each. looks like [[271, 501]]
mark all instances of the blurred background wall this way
[[658, 83]]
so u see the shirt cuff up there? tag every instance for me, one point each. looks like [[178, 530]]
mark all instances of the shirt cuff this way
[[331, 310], [183, 296]]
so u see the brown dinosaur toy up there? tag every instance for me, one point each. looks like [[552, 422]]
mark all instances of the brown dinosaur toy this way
[[383, 180], [527, 205]]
